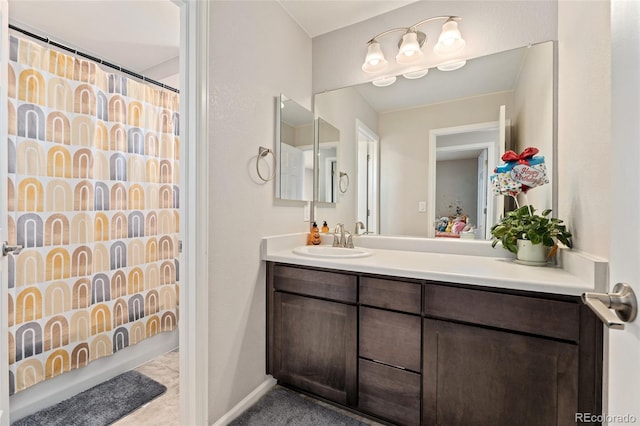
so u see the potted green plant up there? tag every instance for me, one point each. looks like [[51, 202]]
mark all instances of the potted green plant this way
[[530, 235]]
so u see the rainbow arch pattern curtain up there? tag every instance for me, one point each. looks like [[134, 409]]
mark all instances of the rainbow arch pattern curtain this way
[[93, 199]]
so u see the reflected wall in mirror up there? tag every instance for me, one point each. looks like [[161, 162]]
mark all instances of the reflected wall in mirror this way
[[294, 149], [328, 148], [410, 111]]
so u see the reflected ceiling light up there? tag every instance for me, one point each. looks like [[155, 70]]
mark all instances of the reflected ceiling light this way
[[375, 60], [410, 46], [411, 75], [385, 81], [450, 40], [451, 65]]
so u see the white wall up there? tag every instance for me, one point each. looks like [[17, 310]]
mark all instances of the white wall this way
[[404, 156], [533, 119], [584, 123], [274, 58]]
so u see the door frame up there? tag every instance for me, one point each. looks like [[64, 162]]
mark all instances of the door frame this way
[[4, 290], [194, 294], [485, 208], [371, 186], [489, 148], [330, 187]]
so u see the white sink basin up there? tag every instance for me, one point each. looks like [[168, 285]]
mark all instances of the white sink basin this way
[[331, 252]]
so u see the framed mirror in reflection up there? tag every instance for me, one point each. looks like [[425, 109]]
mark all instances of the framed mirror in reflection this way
[[430, 166], [328, 174], [294, 150]]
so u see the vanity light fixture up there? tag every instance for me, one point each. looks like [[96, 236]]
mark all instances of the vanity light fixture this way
[[410, 46]]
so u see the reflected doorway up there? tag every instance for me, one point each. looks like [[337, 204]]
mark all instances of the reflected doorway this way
[[462, 185], [367, 181], [481, 144]]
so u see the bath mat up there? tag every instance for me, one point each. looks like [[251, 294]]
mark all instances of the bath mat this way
[[281, 406], [101, 405]]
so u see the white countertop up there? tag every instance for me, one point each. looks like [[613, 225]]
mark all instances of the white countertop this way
[[426, 260]]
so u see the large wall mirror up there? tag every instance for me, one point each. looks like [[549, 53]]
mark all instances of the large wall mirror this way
[[294, 150], [440, 136]]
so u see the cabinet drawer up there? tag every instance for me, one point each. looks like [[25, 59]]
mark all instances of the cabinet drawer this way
[[329, 285], [391, 294], [389, 393], [390, 337], [544, 317]]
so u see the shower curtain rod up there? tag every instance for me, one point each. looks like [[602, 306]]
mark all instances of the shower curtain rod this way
[[93, 58]]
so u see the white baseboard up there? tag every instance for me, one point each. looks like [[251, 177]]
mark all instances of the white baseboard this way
[[59, 388], [247, 402]]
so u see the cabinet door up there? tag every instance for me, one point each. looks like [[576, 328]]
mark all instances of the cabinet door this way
[[315, 346], [477, 376]]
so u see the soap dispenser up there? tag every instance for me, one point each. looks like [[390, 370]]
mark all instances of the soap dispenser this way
[[315, 235], [325, 227]]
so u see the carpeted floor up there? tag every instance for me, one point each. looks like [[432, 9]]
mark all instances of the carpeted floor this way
[[101, 405], [281, 406]]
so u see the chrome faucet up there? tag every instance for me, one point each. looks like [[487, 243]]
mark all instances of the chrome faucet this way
[[338, 235], [359, 226]]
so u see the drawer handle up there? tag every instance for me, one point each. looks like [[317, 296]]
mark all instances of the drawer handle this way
[[623, 301]]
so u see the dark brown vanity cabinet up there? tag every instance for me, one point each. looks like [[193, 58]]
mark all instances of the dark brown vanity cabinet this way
[[312, 320], [413, 352]]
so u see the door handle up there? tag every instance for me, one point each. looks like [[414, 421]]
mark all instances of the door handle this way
[[6, 249], [623, 301]]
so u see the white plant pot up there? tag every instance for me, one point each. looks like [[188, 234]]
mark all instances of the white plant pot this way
[[531, 253]]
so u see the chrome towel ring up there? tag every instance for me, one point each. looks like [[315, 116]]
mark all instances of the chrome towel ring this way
[[263, 152], [343, 182]]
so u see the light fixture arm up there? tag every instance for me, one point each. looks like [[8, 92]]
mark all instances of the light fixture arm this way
[[384, 33], [448, 18], [413, 27]]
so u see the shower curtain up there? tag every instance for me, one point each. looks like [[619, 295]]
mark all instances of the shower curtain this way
[[93, 199]]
